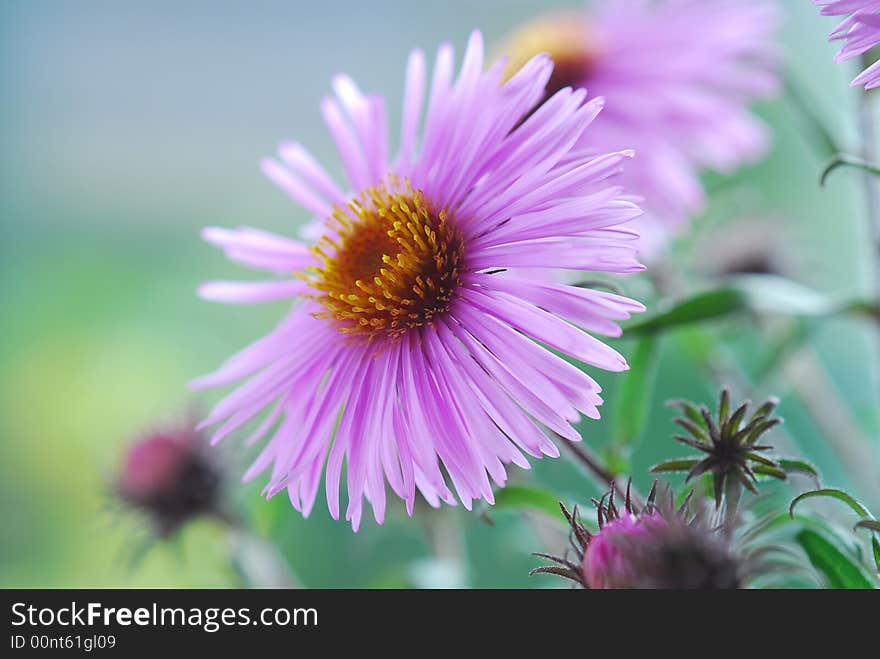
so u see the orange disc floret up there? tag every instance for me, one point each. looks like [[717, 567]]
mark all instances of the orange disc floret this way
[[390, 264]]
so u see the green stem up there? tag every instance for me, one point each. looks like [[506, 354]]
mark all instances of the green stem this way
[[258, 562], [732, 495], [445, 538], [593, 465], [868, 131], [823, 141]]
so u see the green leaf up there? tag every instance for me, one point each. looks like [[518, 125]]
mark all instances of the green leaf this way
[[767, 470], [792, 466], [840, 570], [689, 409], [759, 428], [864, 308], [519, 497], [724, 403], [731, 424], [757, 457], [700, 307], [840, 495], [867, 520], [636, 391], [773, 294], [684, 464], [873, 525]]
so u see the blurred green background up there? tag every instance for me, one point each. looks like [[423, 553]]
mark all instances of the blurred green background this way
[[125, 127]]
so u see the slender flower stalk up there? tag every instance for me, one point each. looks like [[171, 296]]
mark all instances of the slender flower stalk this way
[[597, 470], [860, 33], [258, 561], [868, 131]]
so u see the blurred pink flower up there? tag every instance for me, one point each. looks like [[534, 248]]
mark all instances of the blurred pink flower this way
[[168, 476], [409, 350], [678, 77], [859, 31]]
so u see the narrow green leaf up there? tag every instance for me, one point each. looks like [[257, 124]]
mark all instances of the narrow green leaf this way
[[757, 457], [873, 525], [518, 497], [732, 423], [766, 470], [840, 495], [792, 466], [766, 408], [704, 446], [724, 403], [698, 430], [636, 391], [840, 570], [684, 464], [689, 409], [774, 294], [864, 308], [703, 306], [760, 428]]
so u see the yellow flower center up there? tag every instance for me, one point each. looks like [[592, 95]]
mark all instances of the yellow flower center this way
[[393, 265]]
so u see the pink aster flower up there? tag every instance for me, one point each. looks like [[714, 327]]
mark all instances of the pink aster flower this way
[[652, 551], [411, 351], [655, 546], [859, 31], [605, 561], [678, 77]]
